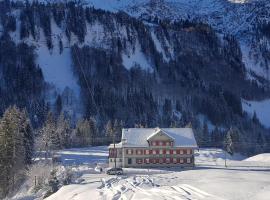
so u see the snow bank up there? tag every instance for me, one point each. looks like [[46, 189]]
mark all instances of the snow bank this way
[[265, 157], [262, 109]]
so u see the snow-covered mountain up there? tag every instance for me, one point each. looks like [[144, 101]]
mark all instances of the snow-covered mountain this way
[[156, 57], [235, 17]]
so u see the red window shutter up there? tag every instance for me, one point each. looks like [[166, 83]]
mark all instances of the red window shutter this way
[[164, 151], [150, 152], [171, 160]]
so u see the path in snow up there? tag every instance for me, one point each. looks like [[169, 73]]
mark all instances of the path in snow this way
[[210, 180]]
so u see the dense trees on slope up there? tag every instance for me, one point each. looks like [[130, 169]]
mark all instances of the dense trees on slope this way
[[21, 80], [193, 72]]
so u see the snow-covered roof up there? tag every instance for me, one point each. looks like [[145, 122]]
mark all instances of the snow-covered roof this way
[[117, 145], [138, 137]]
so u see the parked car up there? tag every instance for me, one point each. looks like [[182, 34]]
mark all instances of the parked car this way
[[115, 171], [56, 158]]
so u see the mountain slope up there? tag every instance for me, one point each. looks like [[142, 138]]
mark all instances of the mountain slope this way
[[142, 71]]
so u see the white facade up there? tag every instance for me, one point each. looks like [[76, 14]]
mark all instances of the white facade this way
[[154, 147]]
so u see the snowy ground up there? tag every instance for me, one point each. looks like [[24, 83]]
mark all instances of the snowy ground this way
[[244, 179]]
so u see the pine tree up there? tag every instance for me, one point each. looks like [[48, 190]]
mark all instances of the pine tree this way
[[58, 105], [64, 131], [83, 133], [228, 144], [206, 138], [12, 154], [117, 129], [92, 129], [28, 137], [109, 129], [51, 139]]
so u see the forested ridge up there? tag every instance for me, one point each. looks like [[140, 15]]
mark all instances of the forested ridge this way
[[190, 77]]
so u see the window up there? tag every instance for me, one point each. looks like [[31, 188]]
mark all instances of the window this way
[[188, 160], [129, 161], [154, 143], [139, 152], [161, 161], [139, 161], [167, 160], [168, 143], [147, 161], [160, 143], [174, 151], [174, 160], [146, 152], [189, 151], [181, 151], [129, 151], [181, 160], [154, 152], [167, 151]]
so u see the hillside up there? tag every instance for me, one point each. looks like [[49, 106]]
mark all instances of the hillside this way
[[141, 68]]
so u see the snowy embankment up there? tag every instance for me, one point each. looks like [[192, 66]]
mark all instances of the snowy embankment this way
[[262, 109], [265, 157], [208, 180]]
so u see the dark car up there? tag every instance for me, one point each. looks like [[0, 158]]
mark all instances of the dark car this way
[[115, 171]]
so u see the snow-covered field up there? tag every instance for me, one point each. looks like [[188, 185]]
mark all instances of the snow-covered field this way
[[244, 179]]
